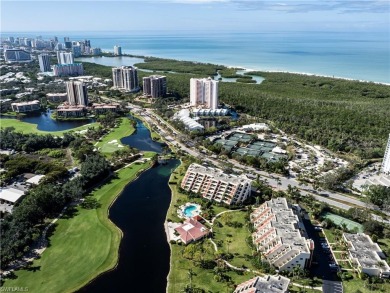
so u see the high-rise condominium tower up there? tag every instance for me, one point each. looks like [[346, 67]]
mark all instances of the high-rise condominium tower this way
[[65, 58], [125, 78], [204, 92], [77, 93], [386, 159], [44, 62], [117, 50], [155, 86]]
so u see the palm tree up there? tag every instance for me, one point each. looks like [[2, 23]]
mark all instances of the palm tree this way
[[190, 274]]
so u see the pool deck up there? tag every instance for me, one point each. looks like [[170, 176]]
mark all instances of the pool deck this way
[[181, 214], [170, 231]]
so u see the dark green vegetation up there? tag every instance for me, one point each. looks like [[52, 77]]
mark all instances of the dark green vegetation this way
[[379, 195], [97, 70], [19, 164], [153, 63], [342, 115], [245, 80]]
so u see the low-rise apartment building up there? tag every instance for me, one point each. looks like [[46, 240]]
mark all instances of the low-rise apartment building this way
[[280, 235], [66, 111], [366, 256], [26, 106], [215, 185], [104, 108], [57, 97], [267, 283]]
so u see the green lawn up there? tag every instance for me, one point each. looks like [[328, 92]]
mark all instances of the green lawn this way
[[124, 129], [357, 285], [203, 278], [81, 247], [233, 240], [329, 235], [32, 128]]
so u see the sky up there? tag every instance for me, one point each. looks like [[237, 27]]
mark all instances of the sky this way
[[198, 15]]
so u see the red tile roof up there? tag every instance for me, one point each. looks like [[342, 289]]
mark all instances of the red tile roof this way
[[191, 230]]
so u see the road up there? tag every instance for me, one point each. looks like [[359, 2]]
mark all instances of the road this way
[[275, 180]]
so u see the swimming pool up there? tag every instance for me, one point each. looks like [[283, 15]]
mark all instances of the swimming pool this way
[[190, 211]]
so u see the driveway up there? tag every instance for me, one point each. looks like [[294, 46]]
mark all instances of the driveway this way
[[322, 258]]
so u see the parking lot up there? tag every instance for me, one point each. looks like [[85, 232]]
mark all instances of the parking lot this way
[[324, 265]]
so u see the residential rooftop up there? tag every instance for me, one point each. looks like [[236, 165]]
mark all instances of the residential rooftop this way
[[365, 251], [265, 284], [218, 174]]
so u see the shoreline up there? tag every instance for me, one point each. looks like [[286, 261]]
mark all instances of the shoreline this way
[[246, 69], [166, 228]]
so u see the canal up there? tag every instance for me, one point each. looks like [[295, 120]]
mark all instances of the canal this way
[[140, 212]]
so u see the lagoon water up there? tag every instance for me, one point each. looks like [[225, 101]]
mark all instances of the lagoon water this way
[[45, 123], [356, 55]]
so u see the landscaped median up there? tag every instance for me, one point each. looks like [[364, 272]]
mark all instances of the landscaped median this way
[[25, 127], [85, 243]]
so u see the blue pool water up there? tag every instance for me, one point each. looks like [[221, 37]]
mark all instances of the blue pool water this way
[[188, 211]]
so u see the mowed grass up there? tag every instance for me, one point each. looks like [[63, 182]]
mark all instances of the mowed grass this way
[[124, 129], [82, 246], [203, 278], [25, 127], [358, 285], [233, 240]]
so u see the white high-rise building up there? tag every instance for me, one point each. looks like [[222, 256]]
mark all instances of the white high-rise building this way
[[117, 50], [68, 69], [65, 58], [77, 93], [204, 92], [44, 62], [386, 159], [125, 78]]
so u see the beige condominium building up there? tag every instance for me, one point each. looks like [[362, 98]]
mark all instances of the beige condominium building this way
[[280, 235], [366, 256], [215, 185]]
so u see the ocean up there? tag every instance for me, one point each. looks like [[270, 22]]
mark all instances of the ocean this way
[[361, 56]]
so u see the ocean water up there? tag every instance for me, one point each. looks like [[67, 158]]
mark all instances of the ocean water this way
[[362, 56]]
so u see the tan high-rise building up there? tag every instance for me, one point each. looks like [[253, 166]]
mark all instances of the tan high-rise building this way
[[125, 78], [155, 86], [204, 92], [77, 93]]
